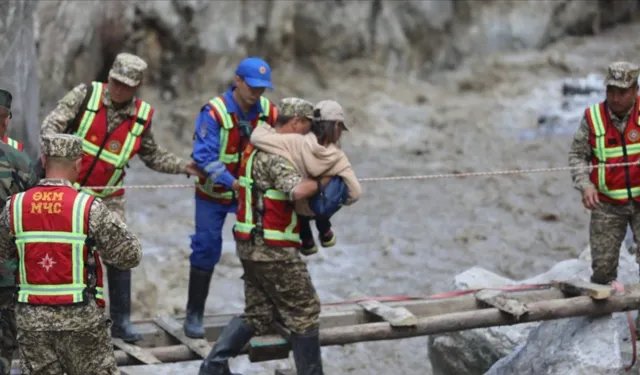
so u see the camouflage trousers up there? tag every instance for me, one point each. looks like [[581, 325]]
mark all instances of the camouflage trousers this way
[[86, 352], [607, 230], [279, 291], [8, 330]]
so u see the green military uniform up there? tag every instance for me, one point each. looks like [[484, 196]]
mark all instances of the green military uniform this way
[[16, 175], [72, 339], [609, 221], [277, 284]]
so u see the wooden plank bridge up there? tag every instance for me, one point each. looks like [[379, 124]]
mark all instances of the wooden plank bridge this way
[[371, 319]]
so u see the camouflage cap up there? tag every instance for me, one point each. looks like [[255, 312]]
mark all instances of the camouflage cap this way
[[330, 110], [128, 69], [622, 74], [295, 107], [5, 99], [66, 146]]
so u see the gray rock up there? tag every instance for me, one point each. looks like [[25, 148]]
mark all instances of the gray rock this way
[[18, 72], [79, 39], [475, 351], [575, 346]]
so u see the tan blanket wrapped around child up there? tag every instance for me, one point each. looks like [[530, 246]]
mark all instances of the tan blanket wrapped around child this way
[[310, 159]]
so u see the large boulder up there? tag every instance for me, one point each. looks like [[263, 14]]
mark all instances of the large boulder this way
[[474, 351], [576, 346], [18, 72]]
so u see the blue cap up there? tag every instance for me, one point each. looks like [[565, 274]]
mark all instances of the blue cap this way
[[255, 72]]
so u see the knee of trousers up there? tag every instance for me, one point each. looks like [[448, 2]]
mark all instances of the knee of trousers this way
[[205, 260]]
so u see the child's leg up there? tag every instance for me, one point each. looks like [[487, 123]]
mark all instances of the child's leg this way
[[305, 229], [323, 224], [327, 237]]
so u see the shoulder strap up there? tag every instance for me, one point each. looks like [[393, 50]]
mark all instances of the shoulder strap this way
[[72, 126]]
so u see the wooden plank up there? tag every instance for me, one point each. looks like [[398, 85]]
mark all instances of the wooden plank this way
[[285, 372], [396, 316], [171, 326], [141, 354], [497, 299], [581, 287]]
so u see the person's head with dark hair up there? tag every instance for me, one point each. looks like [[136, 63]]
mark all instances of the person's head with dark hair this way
[[294, 116], [5, 110], [328, 122]]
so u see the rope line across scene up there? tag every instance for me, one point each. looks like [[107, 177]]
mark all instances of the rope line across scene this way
[[399, 178]]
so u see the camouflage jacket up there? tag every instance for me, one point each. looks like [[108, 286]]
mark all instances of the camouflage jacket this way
[[16, 175], [153, 156], [270, 171], [581, 152], [16, 172], [117, 246]]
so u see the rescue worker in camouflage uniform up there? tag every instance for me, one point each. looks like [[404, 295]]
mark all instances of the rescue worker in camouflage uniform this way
[[62, 327], [115, 126], [610, 133], [16, 175], [277, 284]]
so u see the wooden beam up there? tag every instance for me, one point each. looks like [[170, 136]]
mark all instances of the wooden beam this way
[[346, 314], [446, 322], [171, 326], [285, 372], [497, 299], [459, 321], [579, 287], [141, 354]]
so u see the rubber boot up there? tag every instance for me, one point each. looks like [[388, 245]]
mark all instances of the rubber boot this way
[[120, 305], [306, 353], [231, 341], [198, 291]]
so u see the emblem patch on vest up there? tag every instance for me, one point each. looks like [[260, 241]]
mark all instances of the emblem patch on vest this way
[[114, 146], [94, 138], [47, 262], [633, 135]]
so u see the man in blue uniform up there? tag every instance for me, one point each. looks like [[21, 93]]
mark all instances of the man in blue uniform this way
[[223, 128]]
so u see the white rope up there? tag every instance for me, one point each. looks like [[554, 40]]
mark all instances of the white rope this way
[[398, 178]]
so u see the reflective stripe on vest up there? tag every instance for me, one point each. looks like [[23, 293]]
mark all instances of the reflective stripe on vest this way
[[223, 157], [119, 161], [603, 153], [245, 225], [12, 142], [77, 238]]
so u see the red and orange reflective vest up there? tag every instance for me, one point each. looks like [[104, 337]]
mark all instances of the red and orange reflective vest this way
[[615, 184], [13, 143], [232, 143], [280, 226], [50, 225], [106, 153]]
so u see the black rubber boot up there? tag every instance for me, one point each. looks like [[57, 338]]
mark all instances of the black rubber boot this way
[[198, 291], [120, 305], [306, 353], [231, 341]]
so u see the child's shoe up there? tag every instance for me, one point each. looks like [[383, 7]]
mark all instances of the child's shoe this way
[[327, 239], [308, 247]]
